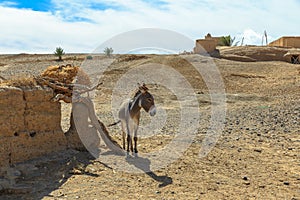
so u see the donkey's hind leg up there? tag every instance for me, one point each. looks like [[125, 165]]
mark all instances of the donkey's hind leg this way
[[123, 135], [129, 144], [123, 138]]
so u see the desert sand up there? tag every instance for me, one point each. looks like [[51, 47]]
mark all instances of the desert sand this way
[[257, 156]]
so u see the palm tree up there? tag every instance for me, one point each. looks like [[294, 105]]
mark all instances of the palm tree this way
[[228, 41], [108, 51], [59, 52]]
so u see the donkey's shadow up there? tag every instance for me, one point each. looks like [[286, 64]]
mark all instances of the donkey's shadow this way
[[144, 165]]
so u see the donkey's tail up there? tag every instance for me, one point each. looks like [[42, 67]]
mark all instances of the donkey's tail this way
[[113, 124]]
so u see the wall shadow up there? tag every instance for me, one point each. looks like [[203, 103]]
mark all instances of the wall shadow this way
[[39, 177]]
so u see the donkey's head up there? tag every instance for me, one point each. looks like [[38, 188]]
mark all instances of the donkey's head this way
[[146, 100]]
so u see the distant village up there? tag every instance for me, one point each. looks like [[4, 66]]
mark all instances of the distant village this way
[[289, 45]]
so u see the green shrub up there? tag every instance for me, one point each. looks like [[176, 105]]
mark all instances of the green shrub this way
[[89, 57], [59, 52]]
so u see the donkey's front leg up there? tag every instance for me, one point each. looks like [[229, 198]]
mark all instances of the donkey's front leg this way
[[135, 146], [135, 139], [135, 129]]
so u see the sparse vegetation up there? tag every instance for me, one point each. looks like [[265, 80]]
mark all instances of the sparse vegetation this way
[[228, 41], [59, 52], [108, 51], [89, 57]]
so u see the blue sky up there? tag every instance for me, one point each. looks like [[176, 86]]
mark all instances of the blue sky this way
[[41, 5], [31, 26]]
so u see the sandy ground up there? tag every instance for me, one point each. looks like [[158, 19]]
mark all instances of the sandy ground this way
[[257, 156]]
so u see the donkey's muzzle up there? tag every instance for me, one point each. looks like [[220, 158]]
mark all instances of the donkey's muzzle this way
[[152, 110]]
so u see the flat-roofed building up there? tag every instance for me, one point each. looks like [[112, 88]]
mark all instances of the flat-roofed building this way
[[286, 41], [207, 45]]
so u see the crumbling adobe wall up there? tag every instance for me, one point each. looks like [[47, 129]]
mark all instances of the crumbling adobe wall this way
[[29, 124]]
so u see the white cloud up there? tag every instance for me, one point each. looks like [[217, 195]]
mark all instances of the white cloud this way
[[250, 37], [31, 31], [7, 3], [253, 38]]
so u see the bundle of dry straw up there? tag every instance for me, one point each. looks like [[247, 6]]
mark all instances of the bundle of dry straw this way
[[66, 74]]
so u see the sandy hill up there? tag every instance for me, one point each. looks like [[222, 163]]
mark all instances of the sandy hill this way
[[253, 53]]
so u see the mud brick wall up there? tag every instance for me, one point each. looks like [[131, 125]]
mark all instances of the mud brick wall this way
[[29, 124]]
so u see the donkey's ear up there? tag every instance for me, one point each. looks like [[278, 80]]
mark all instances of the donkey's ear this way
[[143, 88], [140, 87]]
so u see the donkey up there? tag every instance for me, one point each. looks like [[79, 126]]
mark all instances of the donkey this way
[[129, 115]]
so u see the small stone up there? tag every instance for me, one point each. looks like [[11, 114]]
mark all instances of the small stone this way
[[245, 178], [258, 150], [92, 169], [157, 192], [286, 183]]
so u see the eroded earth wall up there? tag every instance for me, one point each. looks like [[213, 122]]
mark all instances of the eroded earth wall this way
[[29, 124]]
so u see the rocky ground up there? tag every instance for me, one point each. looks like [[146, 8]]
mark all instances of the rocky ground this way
[[257, 156]]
